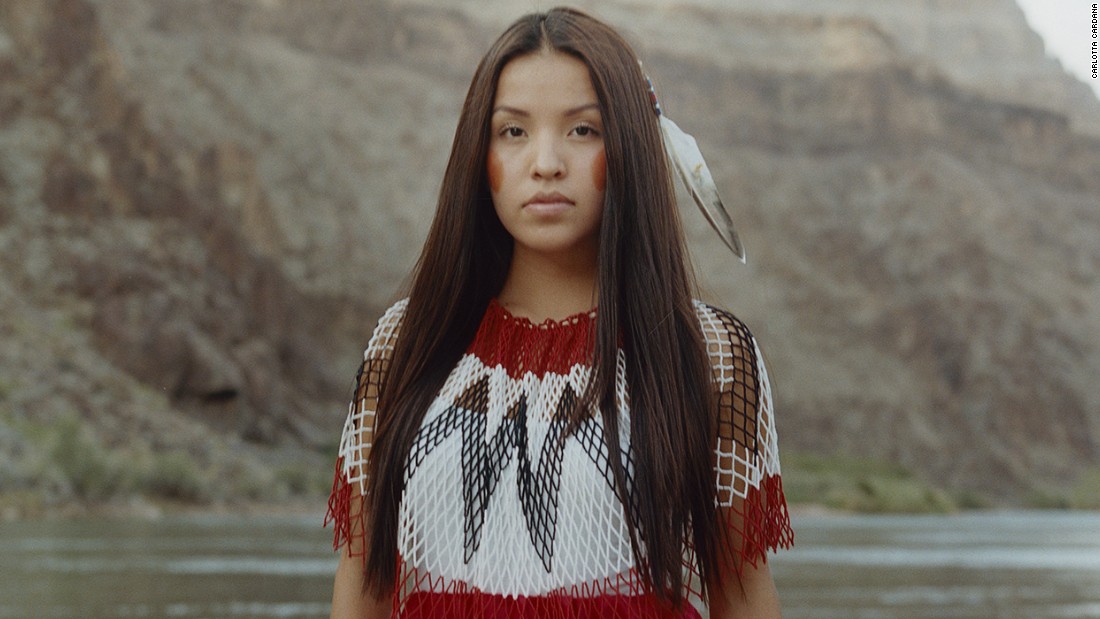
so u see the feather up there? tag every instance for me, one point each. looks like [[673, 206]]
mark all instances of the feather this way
[[692, 170]]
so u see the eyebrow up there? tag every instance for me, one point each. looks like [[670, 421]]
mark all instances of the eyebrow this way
[[573, 111]]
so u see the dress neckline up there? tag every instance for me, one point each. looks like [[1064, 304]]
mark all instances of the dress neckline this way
[[583, 318], [522, 347]]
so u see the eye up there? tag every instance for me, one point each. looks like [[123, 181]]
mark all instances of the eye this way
[[585, 130], [510, 131]]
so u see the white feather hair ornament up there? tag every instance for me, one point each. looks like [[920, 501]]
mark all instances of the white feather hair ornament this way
[[687, 160]]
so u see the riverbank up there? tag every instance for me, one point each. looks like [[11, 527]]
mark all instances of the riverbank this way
[[863, 485], [814, 485]]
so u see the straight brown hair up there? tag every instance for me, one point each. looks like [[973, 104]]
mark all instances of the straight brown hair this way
[[644, 304]]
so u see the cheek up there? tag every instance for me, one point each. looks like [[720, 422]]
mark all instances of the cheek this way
[[599, 171], [494, 169]]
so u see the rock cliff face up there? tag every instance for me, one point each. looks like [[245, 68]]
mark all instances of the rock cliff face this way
[[143, 294], [205, 204]]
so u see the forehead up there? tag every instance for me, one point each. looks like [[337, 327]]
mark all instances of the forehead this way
[[544, 79]]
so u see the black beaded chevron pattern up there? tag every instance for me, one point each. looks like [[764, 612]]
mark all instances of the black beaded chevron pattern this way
[[483, 462]]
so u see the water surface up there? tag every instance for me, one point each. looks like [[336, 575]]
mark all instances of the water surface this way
[[1030, 565]]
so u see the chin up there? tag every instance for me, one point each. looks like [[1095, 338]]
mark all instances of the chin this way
[[552, 246]]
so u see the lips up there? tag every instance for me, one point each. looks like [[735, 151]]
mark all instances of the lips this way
[[543, 200], [548, 205]]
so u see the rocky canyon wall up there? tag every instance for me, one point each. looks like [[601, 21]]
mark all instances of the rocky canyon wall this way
[[205, 204]]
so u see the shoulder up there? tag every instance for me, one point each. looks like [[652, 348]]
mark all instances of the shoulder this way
[[385, 332], [734, 354], [722, 329]]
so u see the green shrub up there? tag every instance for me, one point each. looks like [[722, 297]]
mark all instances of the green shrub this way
[[296, 479], [253, 482], [93, 472], [1086, 491], [305, 480], [175, 475], [859, 484], [1047, 499]]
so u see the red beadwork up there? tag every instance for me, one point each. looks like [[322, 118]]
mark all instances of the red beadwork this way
[[521, 346]]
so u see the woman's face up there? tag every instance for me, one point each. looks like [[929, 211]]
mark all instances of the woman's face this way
[[546, 164]]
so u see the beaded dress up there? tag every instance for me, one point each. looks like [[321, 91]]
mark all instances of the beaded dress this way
[[505, 514]]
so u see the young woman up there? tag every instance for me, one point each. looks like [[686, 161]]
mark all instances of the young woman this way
[[549, 425]]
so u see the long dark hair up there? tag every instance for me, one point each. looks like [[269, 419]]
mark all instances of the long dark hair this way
[[644, 302]]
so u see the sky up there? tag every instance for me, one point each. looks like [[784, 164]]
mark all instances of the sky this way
[[1066, 28]]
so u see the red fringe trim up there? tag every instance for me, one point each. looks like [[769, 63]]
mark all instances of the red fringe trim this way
[[347, 518], [431, 598], [765, 523]]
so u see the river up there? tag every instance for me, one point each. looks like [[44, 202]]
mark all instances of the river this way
[[1030, 565]]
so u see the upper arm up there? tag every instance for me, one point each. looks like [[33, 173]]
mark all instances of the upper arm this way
[[346, 503], [747, 474]]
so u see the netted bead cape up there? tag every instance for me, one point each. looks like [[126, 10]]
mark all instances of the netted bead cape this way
[[506, 513]]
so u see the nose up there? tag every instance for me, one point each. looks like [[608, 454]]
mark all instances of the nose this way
[[548, 161]]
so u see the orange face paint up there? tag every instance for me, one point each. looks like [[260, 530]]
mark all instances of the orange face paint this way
[[494, 168], [599, 171]]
